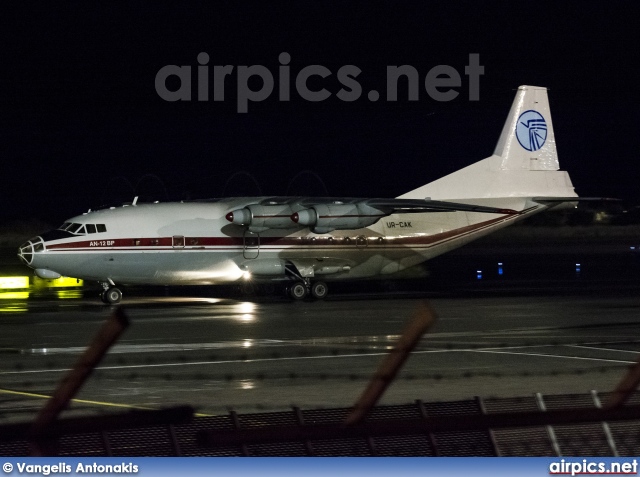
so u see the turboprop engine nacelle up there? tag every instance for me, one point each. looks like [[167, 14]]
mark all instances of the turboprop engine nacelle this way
[[324, 218], [263, 217]]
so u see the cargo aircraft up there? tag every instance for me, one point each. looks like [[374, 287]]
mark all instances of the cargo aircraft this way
[[306, 242]]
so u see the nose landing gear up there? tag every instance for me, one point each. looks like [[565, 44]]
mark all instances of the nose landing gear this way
[[110, 294]]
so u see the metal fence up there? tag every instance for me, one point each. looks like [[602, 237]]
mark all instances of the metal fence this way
[[567, 425]]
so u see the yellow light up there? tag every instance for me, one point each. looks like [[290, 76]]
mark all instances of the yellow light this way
[[62, 282], [12, 283], [66, 294], [14, 295], [14, 307]]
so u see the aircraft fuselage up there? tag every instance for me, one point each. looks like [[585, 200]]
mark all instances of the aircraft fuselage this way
[[193, 243]]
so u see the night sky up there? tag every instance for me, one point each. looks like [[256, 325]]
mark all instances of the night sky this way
[[81, 124]]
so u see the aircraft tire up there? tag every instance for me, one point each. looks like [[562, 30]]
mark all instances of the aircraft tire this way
[[112, 296], [103, 296], [319, 290], [298, 291]]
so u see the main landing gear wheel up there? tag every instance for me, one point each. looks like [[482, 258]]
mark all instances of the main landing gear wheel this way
[[298, 291], [111, 296], [319, 290]]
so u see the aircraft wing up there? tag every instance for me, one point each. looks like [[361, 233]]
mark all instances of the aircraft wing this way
[[391, 206], [557, 200], [408, 206], [325, 214]]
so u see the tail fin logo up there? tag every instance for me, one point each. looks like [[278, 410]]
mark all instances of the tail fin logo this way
[[531, 130]]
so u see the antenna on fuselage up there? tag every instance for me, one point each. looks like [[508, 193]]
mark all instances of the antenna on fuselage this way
[[135, 201]]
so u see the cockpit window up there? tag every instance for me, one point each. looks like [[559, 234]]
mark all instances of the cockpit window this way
[[83, 229], [73, 228]]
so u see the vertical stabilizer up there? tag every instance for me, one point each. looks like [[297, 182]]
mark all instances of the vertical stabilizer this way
[[524, 163], [527, 140]]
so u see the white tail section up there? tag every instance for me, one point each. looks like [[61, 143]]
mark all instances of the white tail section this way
[[524, 163], [527, 140]]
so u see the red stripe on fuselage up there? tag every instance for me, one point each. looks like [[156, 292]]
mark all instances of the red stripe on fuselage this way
[[191, 243]]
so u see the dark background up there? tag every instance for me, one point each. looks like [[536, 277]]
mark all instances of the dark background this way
[[81, 124]]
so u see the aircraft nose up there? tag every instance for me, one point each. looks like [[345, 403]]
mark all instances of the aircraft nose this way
[[25, 252], [29, 248]]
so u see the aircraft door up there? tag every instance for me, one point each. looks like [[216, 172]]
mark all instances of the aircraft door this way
[[251, 244]]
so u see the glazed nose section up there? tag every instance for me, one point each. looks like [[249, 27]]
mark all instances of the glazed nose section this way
[[25, 252], [29, 248]]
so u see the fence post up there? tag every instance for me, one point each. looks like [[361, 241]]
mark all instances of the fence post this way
[[483, 411], [175, 445], [422, 320], [236, 425], [432, 437], [625, 387], [106, 443], [73, 381], [605, 425], [550, 431], [300, 420]]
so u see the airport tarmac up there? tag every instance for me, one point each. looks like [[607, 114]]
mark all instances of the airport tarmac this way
[[267, 354]]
